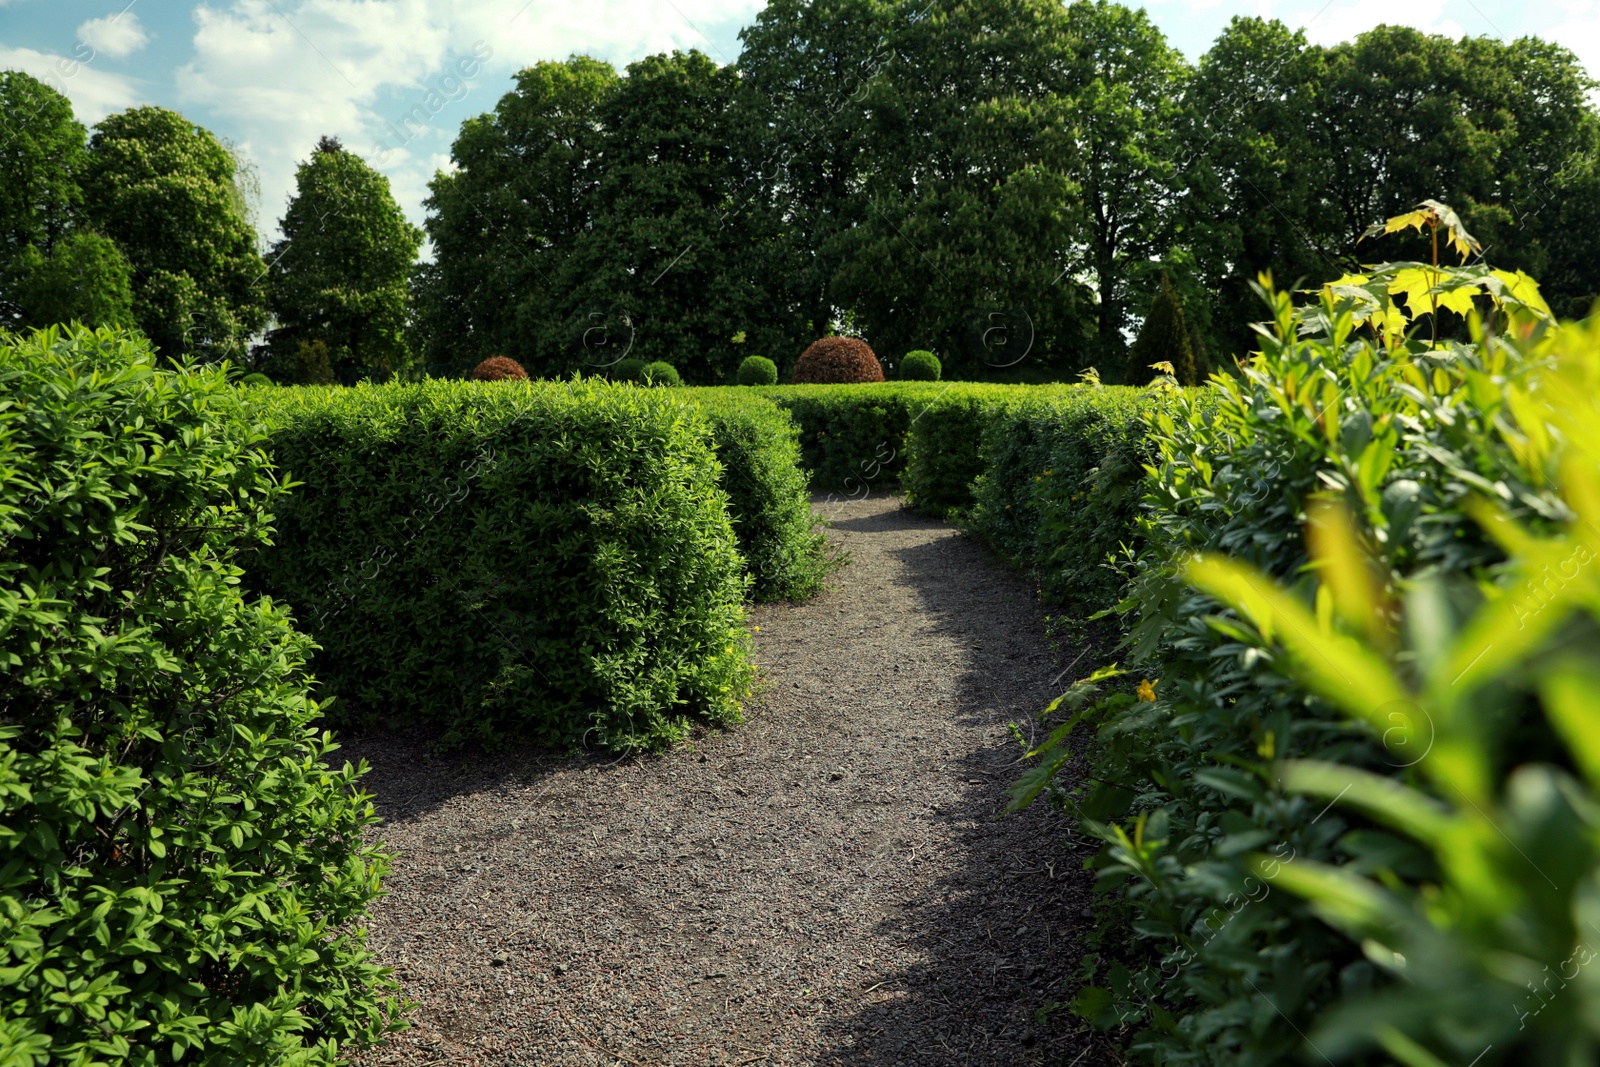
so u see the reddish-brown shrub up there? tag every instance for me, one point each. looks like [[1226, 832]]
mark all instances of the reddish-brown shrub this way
[[837, 359], [497, 369]]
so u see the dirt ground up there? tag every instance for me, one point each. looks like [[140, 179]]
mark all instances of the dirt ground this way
[[826, 884]]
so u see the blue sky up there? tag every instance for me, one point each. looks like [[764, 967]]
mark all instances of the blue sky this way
[[273, 75]]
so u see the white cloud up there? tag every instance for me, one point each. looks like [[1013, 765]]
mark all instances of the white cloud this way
[[116, 35], [1580, 31], [94, 93], [1345, 21], [285, 73]]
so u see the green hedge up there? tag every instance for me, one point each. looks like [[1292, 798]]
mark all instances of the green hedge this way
[[1059, 490], [944, 455], [1346, 775], [769, 503], [853, 437], [182, 866], [551, 561]]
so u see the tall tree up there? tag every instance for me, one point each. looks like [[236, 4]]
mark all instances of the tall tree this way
[[503, 223], [804, 73], [339, 274], [164, 189], [42, 158], [1252, 176], [1124, 120], [662, 273], [969, 242]]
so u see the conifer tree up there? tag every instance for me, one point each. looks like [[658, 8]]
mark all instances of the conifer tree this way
[[1163, 337]]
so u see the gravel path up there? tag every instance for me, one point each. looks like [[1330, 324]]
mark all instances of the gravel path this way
[[823, 885]]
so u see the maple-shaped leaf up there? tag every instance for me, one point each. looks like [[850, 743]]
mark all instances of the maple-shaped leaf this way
[[1462, 241], [1433, 214], [1459, 298], [1518, 288]]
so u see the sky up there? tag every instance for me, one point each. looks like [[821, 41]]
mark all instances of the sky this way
[[394, 79]]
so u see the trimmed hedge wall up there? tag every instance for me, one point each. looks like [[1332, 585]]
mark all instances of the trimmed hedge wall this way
[[856, 438], [1060, 490], [551, 561], [184, 869], [769, 499], [852, 437]]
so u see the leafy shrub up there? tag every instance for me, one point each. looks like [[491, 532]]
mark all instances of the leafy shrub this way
[[833, 360], [628, 370], [660, 373], [758, 370], [1384, 450], [553, 563], [255, 378], [769, 500], [919, 366], [182, 872], [498, 369]]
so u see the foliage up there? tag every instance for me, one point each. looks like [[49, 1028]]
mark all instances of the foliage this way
[[919, 365], [852, 437], [84, 279], [164, 190], [758, 370], [182, 867], [1505, 130], [255, 378], [1403, 436], [830, 360], [769, 498], [660, 373], [498, 369], [967, 221], [543, 561], [589, 220], [628, 370], [667, 262], [942, 455], [339, 273], [1061, 480], [1126, 100], [1163, 338], [509, 213], [804, 71], [42, 158]]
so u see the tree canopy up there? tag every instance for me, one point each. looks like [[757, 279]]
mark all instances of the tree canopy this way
[[164, 190], [1002, 182], [341, 270]]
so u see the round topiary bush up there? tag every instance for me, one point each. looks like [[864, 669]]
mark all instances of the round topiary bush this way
[[832, 360], [660, 373], [628, 370], [256, 378], [498, 369], [758, 370], [920, 366], [184, 866]]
